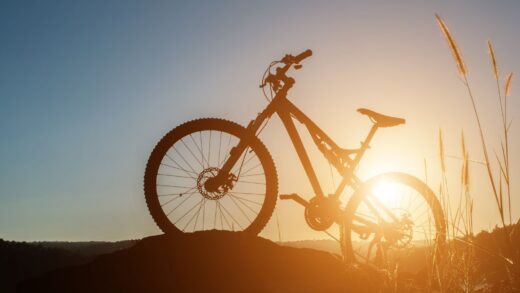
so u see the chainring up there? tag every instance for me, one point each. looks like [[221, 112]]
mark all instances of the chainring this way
[[320, 213]]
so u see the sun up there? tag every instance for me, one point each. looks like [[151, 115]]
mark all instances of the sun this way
[[387, 193]]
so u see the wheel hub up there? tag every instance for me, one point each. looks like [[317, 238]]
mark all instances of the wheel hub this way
[[400, 233], [209, 186]]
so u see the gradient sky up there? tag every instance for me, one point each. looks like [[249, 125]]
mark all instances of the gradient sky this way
[[88, 87]]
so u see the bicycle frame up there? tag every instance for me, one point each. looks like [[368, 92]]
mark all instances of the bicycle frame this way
[[340, 158]]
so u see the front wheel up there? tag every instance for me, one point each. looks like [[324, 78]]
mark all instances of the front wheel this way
[[175, 188], [390, 221]]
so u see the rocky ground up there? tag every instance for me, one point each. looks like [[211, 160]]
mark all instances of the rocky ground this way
[[208, 261]]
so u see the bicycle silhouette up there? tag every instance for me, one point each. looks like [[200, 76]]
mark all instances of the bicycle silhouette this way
[[215, 174]]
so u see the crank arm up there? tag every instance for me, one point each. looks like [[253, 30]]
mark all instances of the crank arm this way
[[294, 197]]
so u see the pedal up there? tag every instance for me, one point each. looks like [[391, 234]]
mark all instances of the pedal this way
[[294, 197], [286, 196]]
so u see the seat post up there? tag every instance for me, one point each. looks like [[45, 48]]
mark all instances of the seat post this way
[[365, 144]]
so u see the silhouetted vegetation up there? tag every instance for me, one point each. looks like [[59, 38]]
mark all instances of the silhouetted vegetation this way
[[22, 260]]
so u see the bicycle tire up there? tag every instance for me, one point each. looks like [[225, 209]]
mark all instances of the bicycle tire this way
[[200, 125], [406, 180]]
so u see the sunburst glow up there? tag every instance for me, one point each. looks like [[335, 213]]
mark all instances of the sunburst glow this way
[[387, 193]]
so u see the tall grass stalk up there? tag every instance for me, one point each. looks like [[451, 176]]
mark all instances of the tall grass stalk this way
[[497, 193], [504, 161], [500, 183]]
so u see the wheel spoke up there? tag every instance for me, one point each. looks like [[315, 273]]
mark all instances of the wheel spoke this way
[[176, 176], [383, 207], [181, 193], [184, 159], [242, 202], [200, 151], [204, 216], [231, 216], [192, 154], [248, 193], [179, 167], [198, 214], [220, 164], [187, 197], [187, 212], [244, 164], [199, 204], [252, 168], [196, 154], [176, 186], [251, 175], [170, 200], [215, 219], [381, 226], [240, 208], [222, 216], [251, 182], [245, 199]]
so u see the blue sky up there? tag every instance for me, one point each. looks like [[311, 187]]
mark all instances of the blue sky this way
[[88, 87]]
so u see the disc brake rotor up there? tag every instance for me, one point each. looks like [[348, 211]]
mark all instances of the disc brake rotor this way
[[221, 190]]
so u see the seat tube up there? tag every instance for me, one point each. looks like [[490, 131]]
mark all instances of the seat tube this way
[[302, 154]]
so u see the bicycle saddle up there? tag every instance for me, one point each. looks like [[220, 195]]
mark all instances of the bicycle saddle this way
[[380, 119]]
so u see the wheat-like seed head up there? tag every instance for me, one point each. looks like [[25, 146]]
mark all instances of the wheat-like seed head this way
[[462, 143], [465, 175], [493, 59], [508, 83], [465, 162], [441, 152], [453, 46]]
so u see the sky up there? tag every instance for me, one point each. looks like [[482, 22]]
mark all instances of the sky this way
[[87, 88]]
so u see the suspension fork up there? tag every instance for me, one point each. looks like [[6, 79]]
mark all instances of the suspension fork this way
[[237, 151]]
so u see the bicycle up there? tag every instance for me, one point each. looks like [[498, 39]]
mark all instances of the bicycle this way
[[212, 173]]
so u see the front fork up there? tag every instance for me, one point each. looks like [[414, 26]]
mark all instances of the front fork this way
[[214, 183]]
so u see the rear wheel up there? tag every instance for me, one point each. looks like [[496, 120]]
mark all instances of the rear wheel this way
[[392, 220], [187, 157]]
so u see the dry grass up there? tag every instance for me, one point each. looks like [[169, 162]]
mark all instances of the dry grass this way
[[503, 162], [508, 84], [456, 272], [458, 268], [453, 46]]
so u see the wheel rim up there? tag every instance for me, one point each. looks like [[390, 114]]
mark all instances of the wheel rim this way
[[183, 171], [406, 221]]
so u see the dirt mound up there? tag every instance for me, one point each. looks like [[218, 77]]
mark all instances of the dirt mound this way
[[208, 261]]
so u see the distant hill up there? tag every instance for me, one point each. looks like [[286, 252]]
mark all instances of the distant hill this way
[[88, 248], [22, 260], [331, 246]]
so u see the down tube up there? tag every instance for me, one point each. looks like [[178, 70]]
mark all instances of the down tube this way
[[287, 121]]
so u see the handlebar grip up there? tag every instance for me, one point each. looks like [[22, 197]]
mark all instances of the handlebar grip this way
[[298, 58]]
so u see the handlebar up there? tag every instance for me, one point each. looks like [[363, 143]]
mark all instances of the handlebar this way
[[289, 59], [305, 54]]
